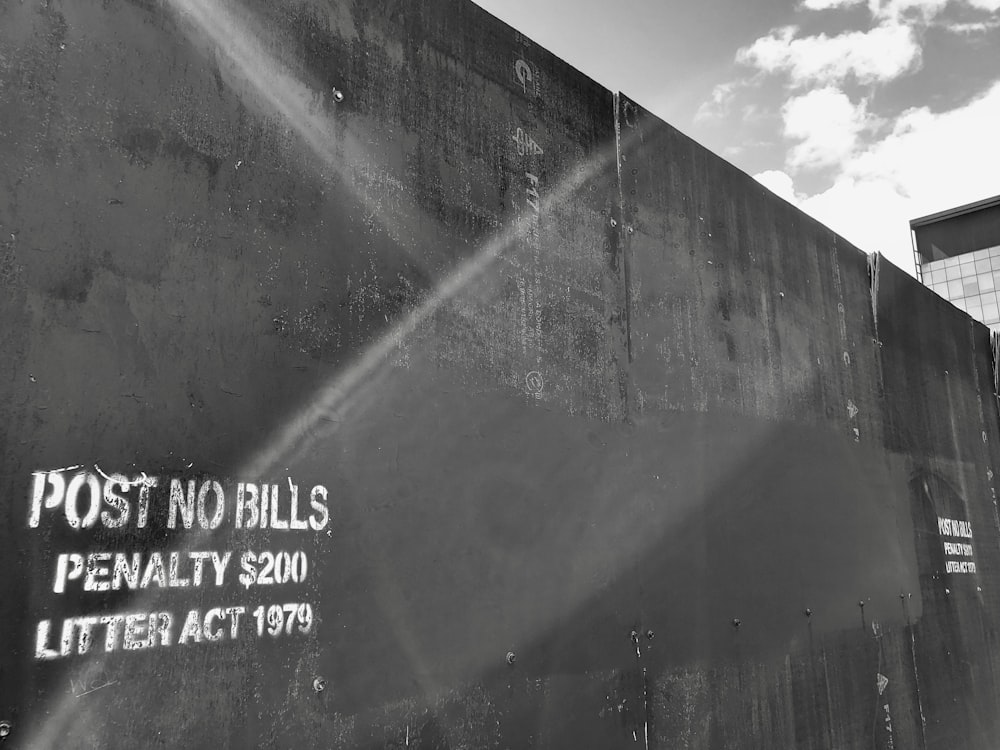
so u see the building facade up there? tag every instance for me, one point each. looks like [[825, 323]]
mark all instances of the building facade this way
[[957, 254]]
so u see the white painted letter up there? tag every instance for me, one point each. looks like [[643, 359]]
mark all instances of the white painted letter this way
[[63, 575], [116, 501], [42, 650], [318, 524], [179, 504], [247, 496], [72, 495], [52, 501], [220, 566], [220, 505]]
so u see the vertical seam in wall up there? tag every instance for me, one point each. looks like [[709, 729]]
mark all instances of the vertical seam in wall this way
[[873, 271], [994, 353], [623, 236]]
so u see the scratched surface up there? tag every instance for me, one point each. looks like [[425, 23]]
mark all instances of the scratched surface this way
[[571, 434]]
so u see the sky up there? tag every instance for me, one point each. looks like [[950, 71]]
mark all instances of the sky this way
[[864, 113]]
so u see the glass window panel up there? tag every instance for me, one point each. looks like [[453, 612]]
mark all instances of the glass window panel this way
[[953, 272], [989, 298], [930, 277], [959, 303], [991, 313], [955, 289], [950, 262], [971, 286], [975, 311], [980, 254], [986, 282], [983, 265], [995, 252]]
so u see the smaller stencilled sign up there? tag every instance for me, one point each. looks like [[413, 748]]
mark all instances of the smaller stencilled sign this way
[[956, 540], [81, 500]]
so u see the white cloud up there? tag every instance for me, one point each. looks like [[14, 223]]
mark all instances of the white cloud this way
[[827, 126], [828, 4], [927, 152], [779, 183], [897, 9], [869, 213], [881, 54], [929, 162], [920, 163], [717, 105], [972, 27]]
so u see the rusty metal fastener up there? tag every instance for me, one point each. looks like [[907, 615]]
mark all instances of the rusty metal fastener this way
[[338, 95], [319, 684], [649, 634], [511, 657], [5, 727], [809, 612], [736, 622]]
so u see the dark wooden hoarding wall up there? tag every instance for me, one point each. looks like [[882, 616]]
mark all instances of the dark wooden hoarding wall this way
[[376, 380]]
